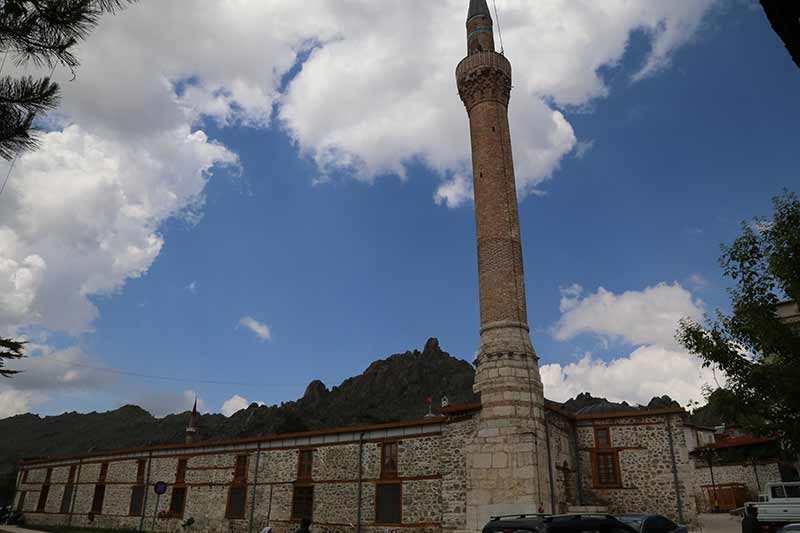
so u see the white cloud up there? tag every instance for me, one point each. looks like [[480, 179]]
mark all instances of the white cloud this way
[[192, 287], [583, 147], [647, 372], [48, 372], [454, 192], [649, 316], [15, 402], [81, 216], [236, 403], [699, 282], [262, 331], [647, 320]]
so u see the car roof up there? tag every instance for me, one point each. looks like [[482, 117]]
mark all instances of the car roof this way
[[637, 516]]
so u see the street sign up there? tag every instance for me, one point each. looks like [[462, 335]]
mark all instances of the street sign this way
[[160, 488]]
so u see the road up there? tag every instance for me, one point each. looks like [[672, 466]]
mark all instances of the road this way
[[718, 523]]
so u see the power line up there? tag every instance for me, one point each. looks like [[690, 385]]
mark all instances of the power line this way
[[175, 379], [499, 29]]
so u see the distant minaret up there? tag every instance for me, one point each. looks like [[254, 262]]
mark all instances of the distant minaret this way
[[507, 460], [193, 429]]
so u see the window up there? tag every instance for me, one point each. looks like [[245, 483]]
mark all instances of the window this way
[[237, 493], [140, 466], [177, 501], [21, 502], [25, 475], [180, 473], [607, 474], [240, 472], [305, 464], [658, 524], [389, 460], [66, 498], [303, 503], [388, 503], [42, 498], [602, 438], [137, 501], [792, 491], [97, 500], [237, 496], [45, 492], [778, 492], [136, 507], [103, 472]]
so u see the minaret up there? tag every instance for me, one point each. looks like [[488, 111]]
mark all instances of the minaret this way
[[193, 429], [506, 462]]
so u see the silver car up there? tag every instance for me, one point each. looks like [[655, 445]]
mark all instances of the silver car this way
[[652, 523], [789, 528]]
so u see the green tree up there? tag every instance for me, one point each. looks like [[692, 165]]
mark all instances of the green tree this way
[[758, 353], [10, 349], [43, 33]]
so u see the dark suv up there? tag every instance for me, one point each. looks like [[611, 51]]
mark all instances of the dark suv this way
[[565, 523]]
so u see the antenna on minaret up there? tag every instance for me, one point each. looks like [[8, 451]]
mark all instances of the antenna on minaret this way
[[499, 29]]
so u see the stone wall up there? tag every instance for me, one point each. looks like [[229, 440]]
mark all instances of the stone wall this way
[[646, 479], [431, 472], [562, 454], [754, 478]]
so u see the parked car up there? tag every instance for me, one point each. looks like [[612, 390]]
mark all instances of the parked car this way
[[652, 523], [789, 528], [568, 523]]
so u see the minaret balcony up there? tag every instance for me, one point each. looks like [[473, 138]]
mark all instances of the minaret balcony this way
[[481, 60]]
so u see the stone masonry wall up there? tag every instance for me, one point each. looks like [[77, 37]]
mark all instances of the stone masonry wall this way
[[646, 471], [431, 471], [741, 473], [562, 461]]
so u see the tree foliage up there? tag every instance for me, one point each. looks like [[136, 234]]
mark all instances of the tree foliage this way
[[10, 349], [758, 353], [42, 33]]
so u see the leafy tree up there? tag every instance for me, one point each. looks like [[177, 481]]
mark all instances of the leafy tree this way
[[10, 349], [758, 353], [42, 33]]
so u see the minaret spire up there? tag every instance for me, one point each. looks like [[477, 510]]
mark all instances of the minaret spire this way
[[510, 426], [193, 429], [480, 32]]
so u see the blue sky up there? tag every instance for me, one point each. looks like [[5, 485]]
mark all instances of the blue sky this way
[[346, 263]]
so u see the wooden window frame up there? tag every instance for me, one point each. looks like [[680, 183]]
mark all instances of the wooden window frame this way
[[301, 474], [395, 483], [175, 512], [180, 471], [44, 493], [389, 474], [614, 454], [25, 474], [103, 473], [141, 465], [295, 516], [21, 501], [131, 511], [239, 483], [228, 514], [69, 488], [99, 488], [597, 431]]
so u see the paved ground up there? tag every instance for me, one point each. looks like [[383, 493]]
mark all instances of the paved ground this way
[[15, 529], [718, 523]]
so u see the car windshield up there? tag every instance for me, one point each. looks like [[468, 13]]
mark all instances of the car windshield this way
[[636, 523], [577, 528]]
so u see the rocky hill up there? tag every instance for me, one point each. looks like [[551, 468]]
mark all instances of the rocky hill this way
[[388, 390]]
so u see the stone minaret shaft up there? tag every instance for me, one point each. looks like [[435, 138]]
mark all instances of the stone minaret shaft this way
[[510, 438]]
